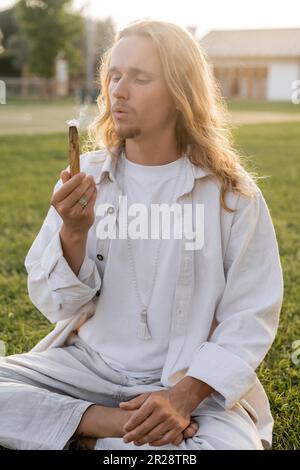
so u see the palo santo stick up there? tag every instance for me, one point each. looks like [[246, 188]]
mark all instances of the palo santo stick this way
[[74, 151]]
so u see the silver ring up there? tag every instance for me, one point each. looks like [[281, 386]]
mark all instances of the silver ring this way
[[83, 202]]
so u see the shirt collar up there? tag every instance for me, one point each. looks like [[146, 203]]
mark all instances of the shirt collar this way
[[109, 163], [108, 169]]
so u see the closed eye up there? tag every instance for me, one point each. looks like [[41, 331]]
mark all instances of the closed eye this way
[[138, 80], [142, 81]]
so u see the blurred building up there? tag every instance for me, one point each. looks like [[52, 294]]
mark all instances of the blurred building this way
[[255, 64]]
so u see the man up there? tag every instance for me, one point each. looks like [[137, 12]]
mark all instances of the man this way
[[157, 340]]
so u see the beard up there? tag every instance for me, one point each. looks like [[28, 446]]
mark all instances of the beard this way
[[127, 133]]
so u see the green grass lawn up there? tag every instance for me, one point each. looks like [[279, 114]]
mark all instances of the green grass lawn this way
[[38, 100], [29, 168], [263, 105], [233, 105]]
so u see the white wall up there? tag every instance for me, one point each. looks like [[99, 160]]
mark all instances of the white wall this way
[[280, 78]]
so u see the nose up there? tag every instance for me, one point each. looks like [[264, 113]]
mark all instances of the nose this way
[[120, 90]]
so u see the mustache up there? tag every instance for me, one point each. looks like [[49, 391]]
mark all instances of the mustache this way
[[120, 108]]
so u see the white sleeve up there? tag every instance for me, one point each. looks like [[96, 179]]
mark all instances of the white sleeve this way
[[248, 313], [52, 285]]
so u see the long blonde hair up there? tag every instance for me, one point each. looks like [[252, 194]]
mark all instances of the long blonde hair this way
[[203, 126]]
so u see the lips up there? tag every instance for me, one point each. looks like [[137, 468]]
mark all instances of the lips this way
[[119, 113], [119, 109]]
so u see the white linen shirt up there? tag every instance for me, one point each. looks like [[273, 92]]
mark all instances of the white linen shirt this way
[[115, 323], [228, 294]]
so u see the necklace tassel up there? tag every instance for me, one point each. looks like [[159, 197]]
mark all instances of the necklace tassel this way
[[143, 332]]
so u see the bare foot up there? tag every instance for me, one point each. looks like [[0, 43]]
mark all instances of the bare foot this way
[[83, 443]]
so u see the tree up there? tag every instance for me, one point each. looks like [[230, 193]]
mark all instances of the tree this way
[[1, 42], [50, 28], [13, 47], [8, 24]]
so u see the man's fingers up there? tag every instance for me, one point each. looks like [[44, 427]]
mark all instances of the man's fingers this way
[[141, 429], [67, 188], [156, 433], [167, 438], [65, 176], [85, 189], [135, 402], [178, 440], [88, 195], [191, 430], [69, 199], [138, 417]]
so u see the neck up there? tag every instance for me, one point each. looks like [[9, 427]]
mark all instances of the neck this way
[[151, 152]]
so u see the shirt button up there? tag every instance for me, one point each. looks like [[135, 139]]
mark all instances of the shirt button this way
[[100, 257], [110, 210]]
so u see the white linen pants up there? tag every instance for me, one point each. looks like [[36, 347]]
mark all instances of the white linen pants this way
[[43, 396]]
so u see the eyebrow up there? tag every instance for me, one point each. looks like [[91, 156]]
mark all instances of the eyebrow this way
[[132, 70]]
